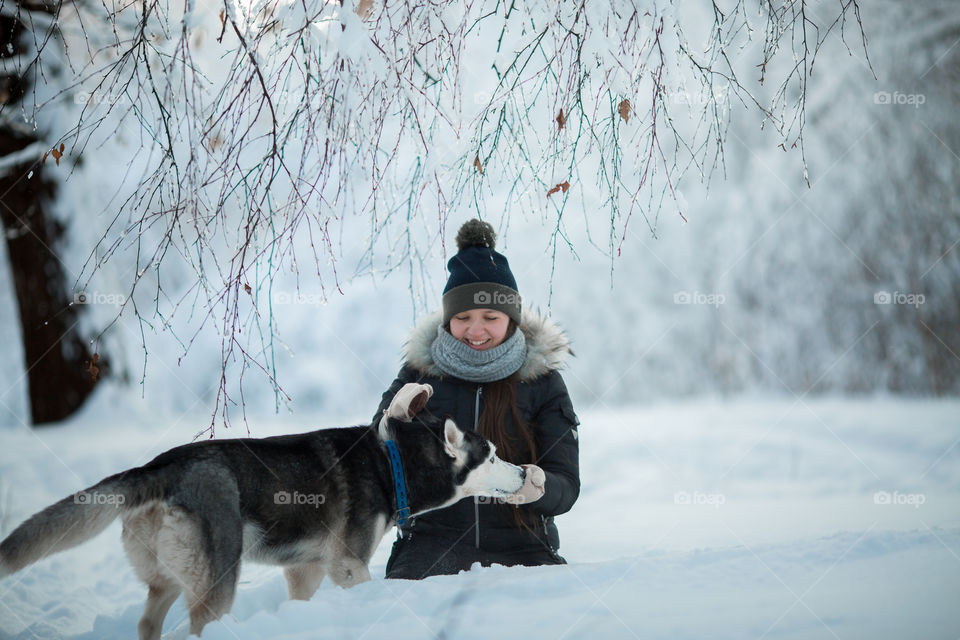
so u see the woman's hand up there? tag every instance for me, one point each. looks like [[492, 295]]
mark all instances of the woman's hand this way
[[532, 489]]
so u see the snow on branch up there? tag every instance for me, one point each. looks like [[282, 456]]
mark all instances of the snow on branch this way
[[253, 130]]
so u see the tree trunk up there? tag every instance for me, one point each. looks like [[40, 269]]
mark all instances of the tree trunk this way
[[60, 370]]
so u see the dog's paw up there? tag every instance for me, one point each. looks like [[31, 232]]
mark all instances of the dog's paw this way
[[409, 401], [533, 486]]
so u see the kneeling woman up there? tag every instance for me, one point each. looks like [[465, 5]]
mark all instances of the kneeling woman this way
[[494, 369]]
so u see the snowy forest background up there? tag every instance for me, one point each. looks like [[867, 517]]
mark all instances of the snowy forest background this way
[[785, 281], [238, 211], [678, 266]]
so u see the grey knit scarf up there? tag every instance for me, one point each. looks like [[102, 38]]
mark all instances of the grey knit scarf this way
[[457, 359]]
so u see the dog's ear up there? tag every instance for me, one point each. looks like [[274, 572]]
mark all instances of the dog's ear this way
[[452, 438]]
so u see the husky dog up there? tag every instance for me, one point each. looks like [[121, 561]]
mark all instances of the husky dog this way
[[316, 503]]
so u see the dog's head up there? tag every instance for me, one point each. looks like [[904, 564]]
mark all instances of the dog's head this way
[[443, 463], [478, 469]]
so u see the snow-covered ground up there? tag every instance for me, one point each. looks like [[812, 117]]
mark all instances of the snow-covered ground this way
[[752, 518], [759, 517]]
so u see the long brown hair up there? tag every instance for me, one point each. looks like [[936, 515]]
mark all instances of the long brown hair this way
[[518, 448], [500, 397]]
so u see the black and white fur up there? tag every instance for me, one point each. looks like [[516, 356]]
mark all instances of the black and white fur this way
[[193, 512]]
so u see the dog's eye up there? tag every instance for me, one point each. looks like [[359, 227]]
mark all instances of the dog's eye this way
[[492, 458]]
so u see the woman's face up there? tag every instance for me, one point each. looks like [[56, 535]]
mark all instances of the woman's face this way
[[480, 329]]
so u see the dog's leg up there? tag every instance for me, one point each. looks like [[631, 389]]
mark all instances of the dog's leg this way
[[347, 571], [214, 580], [204, 611], [140, 530], [161, 596], [303, 580], [207, 566], [349, 565]]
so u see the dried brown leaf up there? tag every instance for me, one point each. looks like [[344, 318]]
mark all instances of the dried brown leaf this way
[[92, 367], [364, 9]]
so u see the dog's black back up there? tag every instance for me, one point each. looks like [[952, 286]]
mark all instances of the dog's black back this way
[[317, 503]]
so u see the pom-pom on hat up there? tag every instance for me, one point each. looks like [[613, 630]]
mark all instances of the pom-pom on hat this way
[[480, 278]]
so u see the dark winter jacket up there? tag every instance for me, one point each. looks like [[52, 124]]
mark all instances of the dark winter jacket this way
[[485, 532]]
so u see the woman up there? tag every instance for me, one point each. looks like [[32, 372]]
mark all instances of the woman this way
[[495, 370]]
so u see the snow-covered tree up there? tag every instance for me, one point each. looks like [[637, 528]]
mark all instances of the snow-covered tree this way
[[235, 137]]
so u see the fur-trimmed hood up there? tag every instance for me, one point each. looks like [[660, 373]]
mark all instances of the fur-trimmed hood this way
[[547, 346]]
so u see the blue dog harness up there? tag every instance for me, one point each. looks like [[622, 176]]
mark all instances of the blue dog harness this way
[[399, 485]]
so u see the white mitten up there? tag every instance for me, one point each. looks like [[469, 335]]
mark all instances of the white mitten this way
[[409, 401], [532, 489]]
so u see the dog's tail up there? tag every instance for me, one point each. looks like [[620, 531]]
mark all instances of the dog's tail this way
[[65, 524]]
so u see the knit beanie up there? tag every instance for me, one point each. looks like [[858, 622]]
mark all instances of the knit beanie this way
[[480, 278]]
